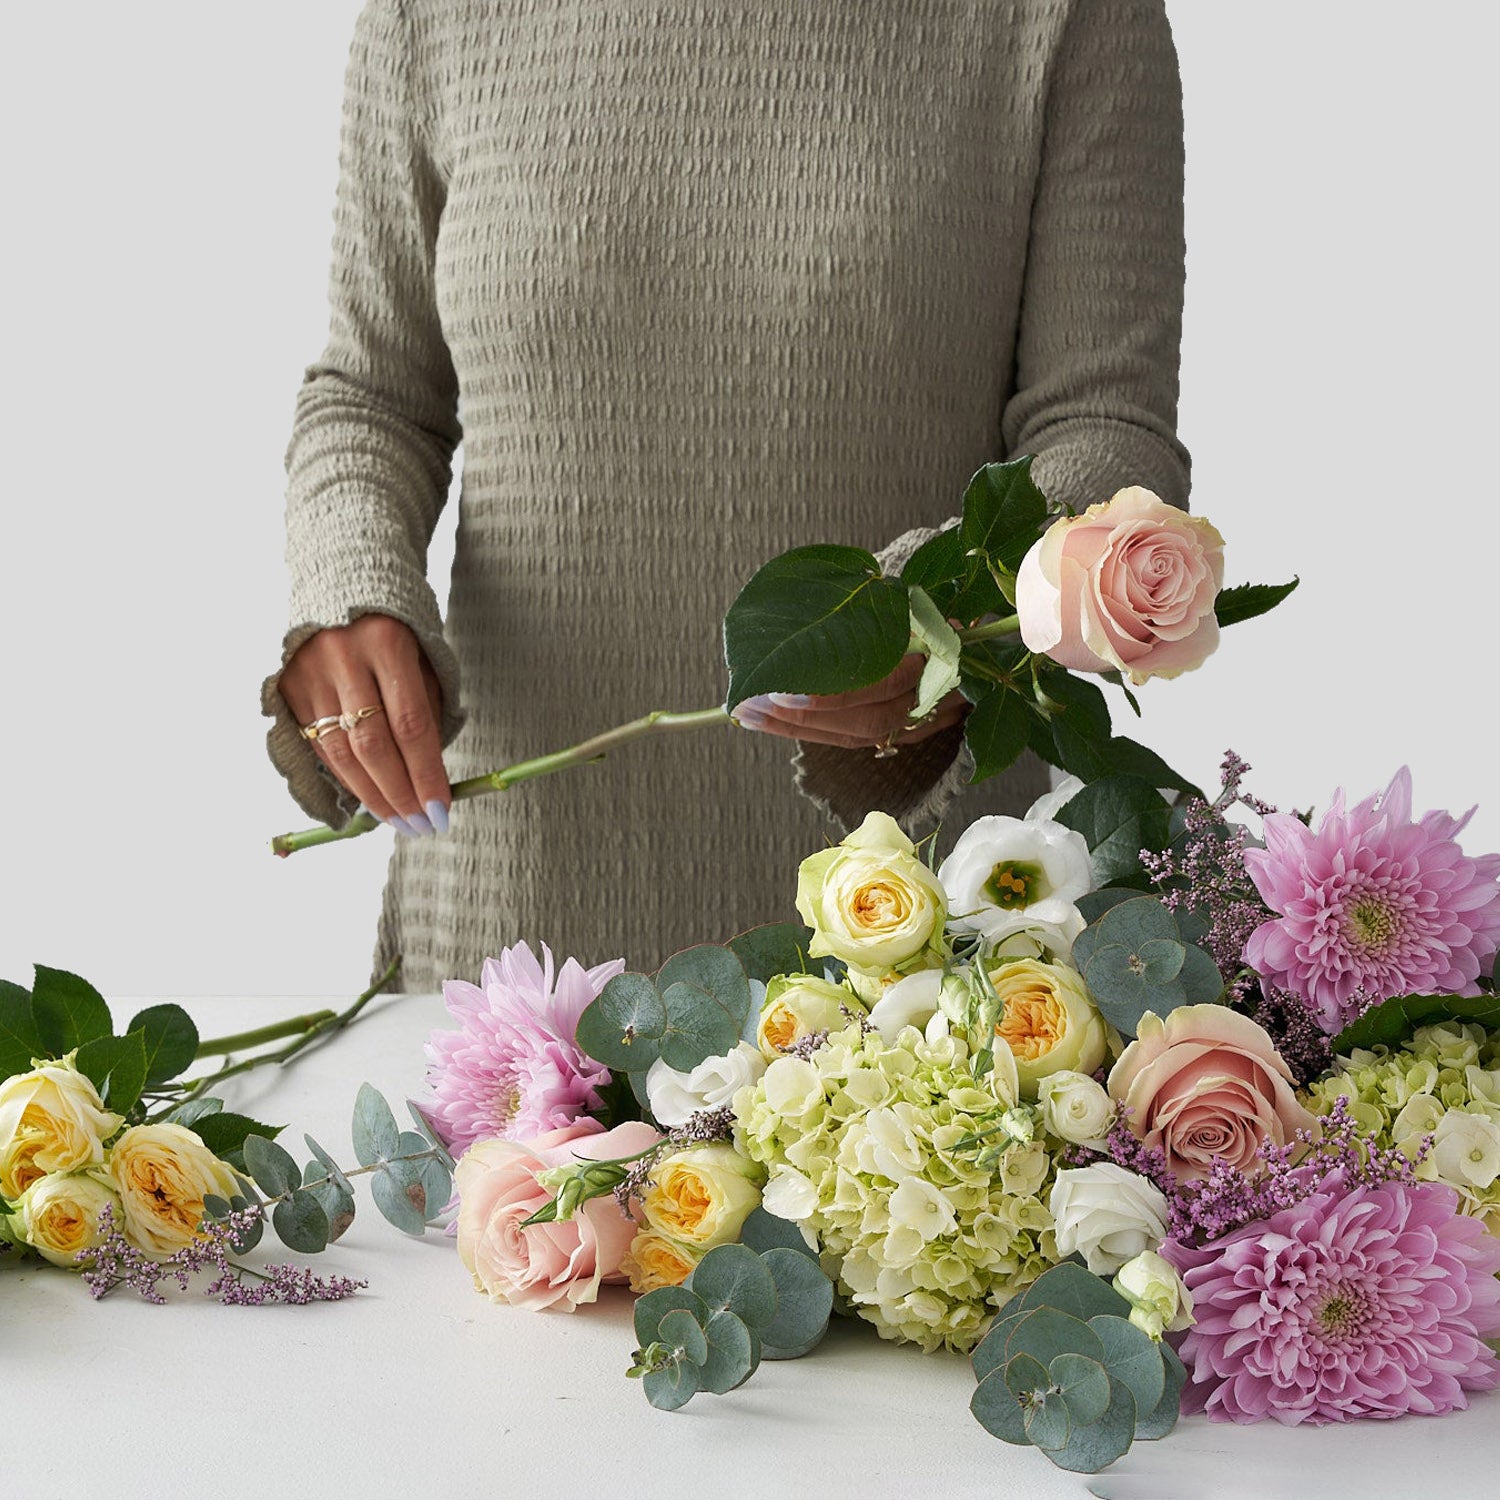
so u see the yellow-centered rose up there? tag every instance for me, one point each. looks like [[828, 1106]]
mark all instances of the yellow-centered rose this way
[[1048, 1021], [701, 1197], [51, 1120], [58, 1215], [796, 1005], [655, 1261], [870, 900], [163, 1173]]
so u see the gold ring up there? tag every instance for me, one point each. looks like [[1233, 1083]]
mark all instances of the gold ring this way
[[349, 720], [319, 727], [887, 747]]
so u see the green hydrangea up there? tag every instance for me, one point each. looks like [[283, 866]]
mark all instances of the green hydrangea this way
[[1443, 1083], [926, 1239]]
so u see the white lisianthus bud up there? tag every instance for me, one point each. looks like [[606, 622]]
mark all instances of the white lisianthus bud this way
[[1075, 1108], [1159, 1302]]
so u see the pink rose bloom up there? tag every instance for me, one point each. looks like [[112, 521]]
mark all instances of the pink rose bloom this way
[[1207, 1083], [545, 1265], [1128, 586]]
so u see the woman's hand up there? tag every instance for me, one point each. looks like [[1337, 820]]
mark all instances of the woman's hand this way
[[874, 715], [392, 760]]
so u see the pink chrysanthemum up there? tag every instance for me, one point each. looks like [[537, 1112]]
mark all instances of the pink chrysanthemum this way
[[1371, 905], [514, 1068], [1362, 1303]]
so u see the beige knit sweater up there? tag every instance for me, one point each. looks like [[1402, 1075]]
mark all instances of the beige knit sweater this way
[[696, 281]]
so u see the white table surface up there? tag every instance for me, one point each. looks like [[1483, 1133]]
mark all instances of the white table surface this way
[[419, 1386]]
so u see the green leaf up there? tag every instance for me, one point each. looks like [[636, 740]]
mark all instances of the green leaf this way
[[1132, 1358], [190, 1111], [623, 1028], [1084, 707], [1118, 817], [764, 1231], [816, 619], [731, 1353], [697, 1027], [804, 1302], [1098, 1445], [940, 559], [337, 1201], [714, 971], [374, 1131], [225, 1133], [20, 1041], [735, 1278], [250, 1237], [1004, 512], [1083, 1385], [1162, 1418], [996, 1409], [1046, 1332], [938, 641], [328, 1164], [1093, 904], [398, 1195], [989, 1354], [116, 1065], [68, 1010], [437, 1185], [679, 1330], [1247, 600], [300, 1222], [672, 1387], [654, 1306], [1068, 1288], [170, 1038], [996, 732], [272, 1168], [775, 948], [1393, 1021], [962, 587], [1124, 757]]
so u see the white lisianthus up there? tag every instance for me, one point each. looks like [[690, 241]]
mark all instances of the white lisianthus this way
[[1005, 875], [1159, 1302], [912, 1001], [676, 1097], [1046, 807], [1107, 1215], [1075, 1108]]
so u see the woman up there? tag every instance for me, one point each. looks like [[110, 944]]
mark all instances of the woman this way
[[694, 285]]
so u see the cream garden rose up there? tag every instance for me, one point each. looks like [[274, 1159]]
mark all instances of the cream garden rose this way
[[1106, 1214], [1075, 1108], [58, 1215], [162, 1174], [1048, 1020], [51, 1120], [870, 900], [1128, 586], [796, 1005], [701, 1197]]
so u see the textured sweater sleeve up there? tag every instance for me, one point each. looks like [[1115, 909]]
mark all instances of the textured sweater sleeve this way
[[1098, 341], [375, 425]]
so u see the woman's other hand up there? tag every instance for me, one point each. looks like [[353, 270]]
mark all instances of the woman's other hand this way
[[392, 760], [875, 715]]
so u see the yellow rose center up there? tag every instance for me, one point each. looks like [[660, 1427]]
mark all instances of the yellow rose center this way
[[881, 905], [1035, 1021], [683, 1201], [780, 1027]]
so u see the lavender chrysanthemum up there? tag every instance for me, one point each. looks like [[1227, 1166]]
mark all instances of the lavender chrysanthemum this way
[[514, 1067], [1364, 1303], [1372, 904]]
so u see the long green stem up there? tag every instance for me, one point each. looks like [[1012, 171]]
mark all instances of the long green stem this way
[[1009, 625], [659, 721], [241, 1040], [328, 1026]]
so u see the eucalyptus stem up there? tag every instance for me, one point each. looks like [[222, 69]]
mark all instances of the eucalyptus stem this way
[[659, 721], [330, 1023]]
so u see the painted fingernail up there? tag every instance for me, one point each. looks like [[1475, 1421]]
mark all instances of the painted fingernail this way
[[791, 700], [418, 823], [438, 815], [750, 718], [399, 824]]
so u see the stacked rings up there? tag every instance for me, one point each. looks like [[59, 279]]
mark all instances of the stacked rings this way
[[345, 721]]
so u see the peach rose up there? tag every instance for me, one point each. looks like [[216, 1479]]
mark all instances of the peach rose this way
[[1128, 586], [545, 1265], [1206, 1083]]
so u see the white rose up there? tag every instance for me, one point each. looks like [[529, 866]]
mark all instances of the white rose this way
[[1007, 874], [1159, 1302], [1466, 1150], [1107, 1215], [676, 1097], [1075, 1108]]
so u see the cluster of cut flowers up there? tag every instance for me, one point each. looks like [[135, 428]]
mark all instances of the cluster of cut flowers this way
[[944, 1105]]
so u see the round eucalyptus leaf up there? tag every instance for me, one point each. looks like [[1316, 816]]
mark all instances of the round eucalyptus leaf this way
[[374, 1128], [731, 1355], [398, 1195], [1071, 1289], [1160, 960], [328, 1164], [1048, 1423], [989, 1353], [672, 1387], [1137, 921], [1132, 1358], [1201, 981], [1044, 1333], [623, 1026], [1162, 1418], [272, 1168], [804, 1301], [680, 1331], [734, 1278], [338, 1204], [300, 1223], [996, 1409], [764, 1231], [697, 1026], [1083, 1384], [1026, 1377], [716, 971], [654, 1306], [1092, 1448]]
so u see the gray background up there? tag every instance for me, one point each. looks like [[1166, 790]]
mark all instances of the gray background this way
[[170, 171]]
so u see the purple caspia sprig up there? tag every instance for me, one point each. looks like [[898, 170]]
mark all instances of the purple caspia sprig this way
[[115, 1263], [1227, 1199]]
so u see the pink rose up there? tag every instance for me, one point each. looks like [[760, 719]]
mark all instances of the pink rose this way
[[1128, 586], [545, 1265], [1207, 1082]]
